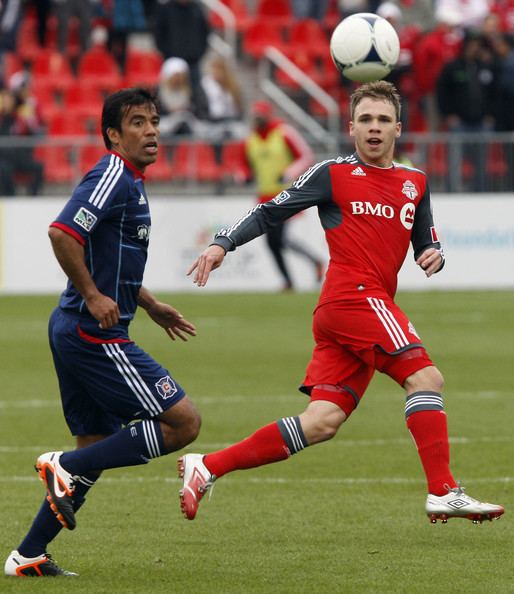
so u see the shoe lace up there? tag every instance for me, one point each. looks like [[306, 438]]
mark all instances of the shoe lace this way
[[50, 559], [207, 486], [458, 490]]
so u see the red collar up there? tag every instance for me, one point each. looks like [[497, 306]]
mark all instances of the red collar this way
[[134, 170]]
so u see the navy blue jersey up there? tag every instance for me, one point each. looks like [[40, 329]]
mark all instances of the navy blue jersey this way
[[109, 215]]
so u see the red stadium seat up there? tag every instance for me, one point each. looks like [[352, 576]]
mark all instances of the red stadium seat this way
[[27, 46], [277, 11], [12, 64], [142, 68], [234, 164], [47, 100], [89, 156], [51, 68], [84, 101], [66, 124], [56, 162], [260, 35], [241, 14], [305, 63], [196, 161], [308, 36], [99, 69], [161, 170]]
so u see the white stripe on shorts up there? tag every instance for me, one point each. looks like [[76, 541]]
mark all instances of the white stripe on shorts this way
[[133, 379], [389, 322]]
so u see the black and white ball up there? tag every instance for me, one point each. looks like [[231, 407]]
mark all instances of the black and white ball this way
[[365, 47]]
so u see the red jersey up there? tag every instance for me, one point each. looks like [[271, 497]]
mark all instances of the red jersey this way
[[369, 214]]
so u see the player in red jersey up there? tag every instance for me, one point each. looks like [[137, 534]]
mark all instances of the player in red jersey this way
[[371, 208]]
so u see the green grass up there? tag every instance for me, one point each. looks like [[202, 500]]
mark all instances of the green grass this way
[[343, 517]]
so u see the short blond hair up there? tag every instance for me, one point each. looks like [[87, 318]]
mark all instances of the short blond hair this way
[[381, 90]]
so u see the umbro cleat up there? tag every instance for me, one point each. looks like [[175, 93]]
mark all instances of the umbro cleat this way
[[197, 481], [60, 485], [40, 566], [456, 504]]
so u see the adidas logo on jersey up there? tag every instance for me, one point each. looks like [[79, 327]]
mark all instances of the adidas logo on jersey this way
[[142, 199], [358, 171]]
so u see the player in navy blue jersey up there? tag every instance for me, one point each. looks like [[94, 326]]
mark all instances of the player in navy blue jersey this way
[[122, 406]]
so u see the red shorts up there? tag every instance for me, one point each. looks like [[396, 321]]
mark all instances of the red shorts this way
[[355, 337]]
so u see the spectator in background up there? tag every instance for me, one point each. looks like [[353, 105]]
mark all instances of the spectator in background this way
[[65, 10], [10, 19], [309, 9], [465, 97], [181, 31], [126, 17], [277, 154], [431, 53], [402, 75], [224, 104], [472, 12], [504, 46], [175, 98], [19, 117]]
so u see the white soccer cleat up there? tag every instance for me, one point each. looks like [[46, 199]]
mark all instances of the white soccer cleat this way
[[41, 566], [60, 485], [456, 504], [197, 481]]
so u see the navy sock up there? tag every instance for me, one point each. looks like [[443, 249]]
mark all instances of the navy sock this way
[[133, 445], [46, 526]]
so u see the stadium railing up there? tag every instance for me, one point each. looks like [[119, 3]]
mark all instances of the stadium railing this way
[[453, 162]]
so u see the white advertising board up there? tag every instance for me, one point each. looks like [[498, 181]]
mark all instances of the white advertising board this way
[[477, 234]]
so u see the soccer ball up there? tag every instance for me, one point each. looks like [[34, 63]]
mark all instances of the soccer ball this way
[[364, 47]]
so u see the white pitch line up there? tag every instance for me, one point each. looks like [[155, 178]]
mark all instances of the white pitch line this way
[[342, 442], [391, 480]]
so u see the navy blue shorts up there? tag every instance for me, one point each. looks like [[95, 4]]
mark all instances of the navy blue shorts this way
[[105, 379]]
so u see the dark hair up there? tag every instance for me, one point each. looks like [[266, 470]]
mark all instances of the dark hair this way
[[116, 106], [380, 89]]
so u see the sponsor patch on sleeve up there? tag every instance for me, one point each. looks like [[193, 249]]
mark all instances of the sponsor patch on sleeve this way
[[84, 218], [433, 233]]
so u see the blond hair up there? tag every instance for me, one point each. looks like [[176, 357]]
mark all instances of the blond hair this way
[[380, 90]]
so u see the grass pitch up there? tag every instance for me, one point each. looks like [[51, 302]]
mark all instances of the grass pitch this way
[[346, 516]]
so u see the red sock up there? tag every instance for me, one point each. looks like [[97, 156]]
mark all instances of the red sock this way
[[266, 445], [430, 432]]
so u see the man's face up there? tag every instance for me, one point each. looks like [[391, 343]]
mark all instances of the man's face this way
[[375, 130], [138, 140]]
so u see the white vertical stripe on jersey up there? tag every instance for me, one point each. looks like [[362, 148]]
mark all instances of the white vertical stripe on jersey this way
[[114, 170], [393, 329], [106, 174], [132, 378], [151, 439], [107, 192]]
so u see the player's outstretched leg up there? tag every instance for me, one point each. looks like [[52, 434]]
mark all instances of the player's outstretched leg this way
[[197, 481], [456, 504], [40, 566], [271, 443], [60, 486]]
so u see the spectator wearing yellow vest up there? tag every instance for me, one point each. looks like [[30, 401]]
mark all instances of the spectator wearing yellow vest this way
[[277, 154]]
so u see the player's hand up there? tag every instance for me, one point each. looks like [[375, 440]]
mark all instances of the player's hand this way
[[431, 261], [103, 309], [209, 260], [171, 320]]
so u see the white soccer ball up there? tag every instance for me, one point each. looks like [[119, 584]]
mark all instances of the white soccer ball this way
[[364, 47]]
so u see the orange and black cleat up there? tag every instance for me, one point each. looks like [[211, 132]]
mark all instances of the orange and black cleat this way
[[60, 486]]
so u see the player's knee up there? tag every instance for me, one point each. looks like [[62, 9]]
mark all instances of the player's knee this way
[[177, 435], [428, 378], [320, 422]]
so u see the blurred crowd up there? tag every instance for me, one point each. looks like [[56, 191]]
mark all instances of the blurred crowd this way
[[455, 74]]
